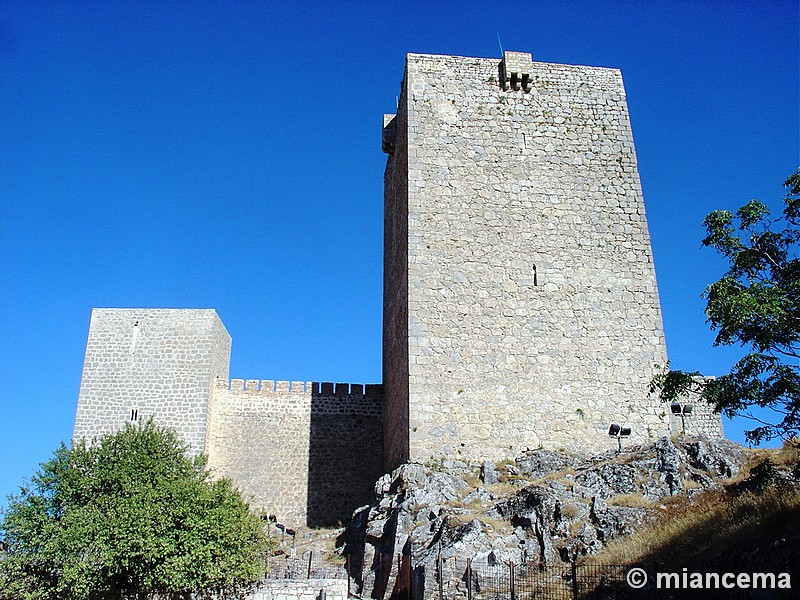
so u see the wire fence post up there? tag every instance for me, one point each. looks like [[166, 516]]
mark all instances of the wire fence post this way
[[469, 578], [347, 570], [439, 575], [574, 580], [511, 577]]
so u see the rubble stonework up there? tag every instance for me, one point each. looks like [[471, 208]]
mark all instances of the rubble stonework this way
[[306, 451], [520, 306], [531, 315], [159, 363]]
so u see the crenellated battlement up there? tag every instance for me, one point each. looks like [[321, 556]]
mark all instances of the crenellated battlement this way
[[264, 387], [324, 389], [331, 432]]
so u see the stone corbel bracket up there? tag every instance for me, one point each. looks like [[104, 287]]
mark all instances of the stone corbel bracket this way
[[389, 133], [515, 71]]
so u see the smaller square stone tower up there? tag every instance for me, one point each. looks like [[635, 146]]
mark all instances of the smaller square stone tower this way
[[158, 363]]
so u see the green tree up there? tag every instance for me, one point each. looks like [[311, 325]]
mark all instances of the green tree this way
[[755, 305], [128, 512]]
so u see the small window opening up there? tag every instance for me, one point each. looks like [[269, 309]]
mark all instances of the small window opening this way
[[134, 414], [535, 279]]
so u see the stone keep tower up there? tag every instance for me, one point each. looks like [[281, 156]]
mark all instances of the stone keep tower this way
[[159, 363], [520, 299]]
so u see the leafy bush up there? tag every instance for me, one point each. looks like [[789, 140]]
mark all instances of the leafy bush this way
[[128, 512]]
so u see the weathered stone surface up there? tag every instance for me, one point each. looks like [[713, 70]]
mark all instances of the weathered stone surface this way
[[669, 463], [489, 472], [539, 463], [535, 510], [306, 452], [608, 480], [613, 521], [519, 262], [521, 312], [583, 543], [159, 363], [550, 516], [719, 457], [480, 495], [299, 589]]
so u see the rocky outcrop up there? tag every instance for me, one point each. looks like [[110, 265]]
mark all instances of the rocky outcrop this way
[[543, 508]]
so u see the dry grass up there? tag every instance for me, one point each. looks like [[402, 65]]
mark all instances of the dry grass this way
[[474, 504], [322, 540], [503, 489], [709, 525], [789, 456], [473, 481], [570, 511], [564, 477], [498, 525], [786, 457], [690, 484]]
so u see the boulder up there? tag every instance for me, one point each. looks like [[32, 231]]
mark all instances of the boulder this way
[[718, 457], [538, 463], [669, 463], [608, 480], [489, 473], [533, 508], [431, 513], [614, 521]]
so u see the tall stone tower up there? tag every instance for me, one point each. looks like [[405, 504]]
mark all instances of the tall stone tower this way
[[520, 299], [159, 363]]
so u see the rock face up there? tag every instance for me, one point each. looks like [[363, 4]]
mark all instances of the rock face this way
[[544, 508]]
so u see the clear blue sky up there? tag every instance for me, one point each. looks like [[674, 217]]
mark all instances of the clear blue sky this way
[[227, 155]]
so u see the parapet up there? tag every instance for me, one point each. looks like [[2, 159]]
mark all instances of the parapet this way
[[270, 387], [264, 387], [320, 398]]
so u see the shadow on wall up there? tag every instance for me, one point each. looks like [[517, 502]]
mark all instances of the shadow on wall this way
[[345, 455]]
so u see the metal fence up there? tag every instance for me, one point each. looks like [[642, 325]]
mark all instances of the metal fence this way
[[312, 565], [461, 580], [559, 582]]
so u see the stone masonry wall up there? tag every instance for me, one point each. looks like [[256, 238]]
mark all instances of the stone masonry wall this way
[[300, 589], [701, 420], [533, 315], [143, 363], [306, 452], [395, 288]]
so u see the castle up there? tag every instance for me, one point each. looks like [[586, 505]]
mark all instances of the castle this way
[[520, 305]]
